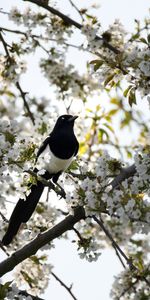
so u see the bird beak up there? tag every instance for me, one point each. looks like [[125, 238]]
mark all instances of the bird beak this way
[[73, 118]]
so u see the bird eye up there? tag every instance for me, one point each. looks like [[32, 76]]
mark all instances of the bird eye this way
[[62, 118]]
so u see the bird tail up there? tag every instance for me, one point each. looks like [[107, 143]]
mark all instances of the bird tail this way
[[24, 209]]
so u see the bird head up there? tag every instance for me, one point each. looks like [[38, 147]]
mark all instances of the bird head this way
[[65, 121]]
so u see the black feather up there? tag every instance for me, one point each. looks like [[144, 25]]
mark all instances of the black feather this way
[[24, 210]]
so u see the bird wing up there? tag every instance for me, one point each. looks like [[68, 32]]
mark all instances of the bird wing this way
[[43, 146], [77, 148]]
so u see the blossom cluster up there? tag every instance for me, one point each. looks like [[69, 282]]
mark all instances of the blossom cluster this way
[[50, 28], [11, 68], [28, 18], [68, 81], [35, 271], [131, 63], [128, 203], [128, 286], [89, 249]]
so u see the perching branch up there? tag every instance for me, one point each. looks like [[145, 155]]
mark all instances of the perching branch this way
[[41, 240], [70, 21], [64, 285], [47, 183]]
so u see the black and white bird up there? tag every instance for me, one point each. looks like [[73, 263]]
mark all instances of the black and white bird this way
[[62, 146]]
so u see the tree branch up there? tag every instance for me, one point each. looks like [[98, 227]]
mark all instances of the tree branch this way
[[64, 285], [125, 173], [70, 21], [114, 244], [13, 31], [41, 240], [5, 45], [48, 183], [23, 95], [118, 249], [76, 8]]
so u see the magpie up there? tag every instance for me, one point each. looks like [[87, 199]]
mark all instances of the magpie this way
[[62, 146]]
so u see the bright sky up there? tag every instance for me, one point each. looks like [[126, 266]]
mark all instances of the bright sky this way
[[90, 280]]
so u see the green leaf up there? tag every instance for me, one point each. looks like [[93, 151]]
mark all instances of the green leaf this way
[[109, 127], [109, 78], [28, 153], [10, 137], [74, 165], [97, 64], [112, 112], [94, 61], [143, 40], [125, 93], [135, 36], [115, 101], [43, 128], [129, 154], [101, 133], [96, 67], [4, 289], [81, 193], [132, 97]]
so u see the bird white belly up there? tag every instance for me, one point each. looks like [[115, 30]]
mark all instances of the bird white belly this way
[[53, 164]]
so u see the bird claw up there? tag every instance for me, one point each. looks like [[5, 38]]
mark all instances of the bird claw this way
[[63, 193]]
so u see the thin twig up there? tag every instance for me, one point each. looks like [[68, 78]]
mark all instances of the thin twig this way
[[78, 234], [68, 289], [114, 244], [119, 257], [3, 217], [116, 247], [3, 12], [5, 45], [23, 95], [16, 31], [76, 8]]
